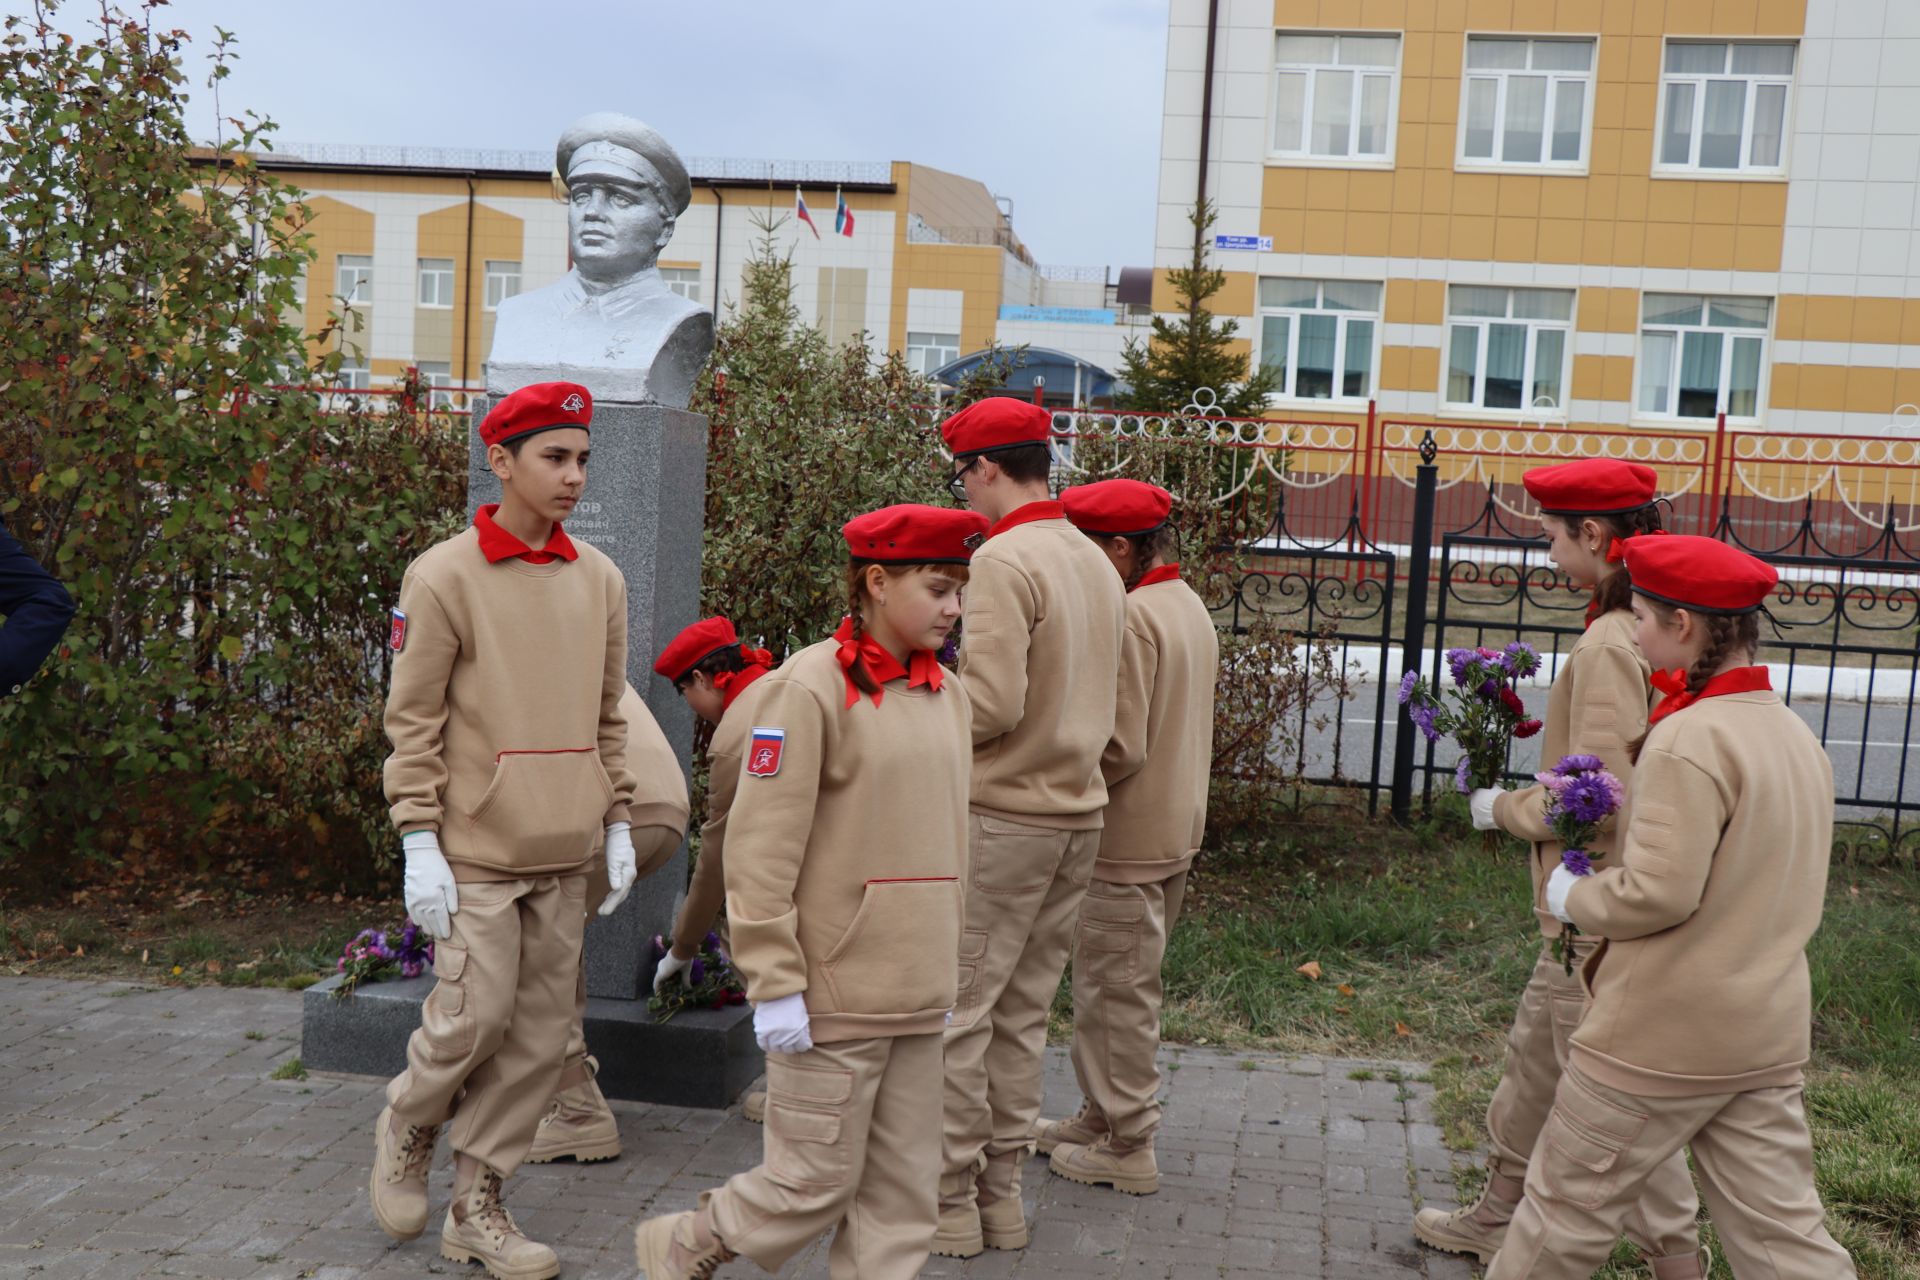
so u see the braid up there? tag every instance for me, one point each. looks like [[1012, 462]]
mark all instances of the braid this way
[[1614, 591], [856, 596], [1720, 634]]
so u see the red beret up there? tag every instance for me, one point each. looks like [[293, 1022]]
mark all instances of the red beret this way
[[1114, 508], [540, 407], [998, 422], [1702, 574], [914, 534], [1591, 487], [694, 645]]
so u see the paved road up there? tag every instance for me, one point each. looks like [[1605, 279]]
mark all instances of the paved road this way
[[1866, 741], [141, 1135]]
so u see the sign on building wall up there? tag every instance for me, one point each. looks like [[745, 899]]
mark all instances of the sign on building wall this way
[[1061, 315], [1251, 244]]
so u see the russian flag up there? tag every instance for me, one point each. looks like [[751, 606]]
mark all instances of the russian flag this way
[[800, 211], [842, 215]]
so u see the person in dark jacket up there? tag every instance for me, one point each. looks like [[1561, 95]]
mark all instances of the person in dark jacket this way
[[36, 608]]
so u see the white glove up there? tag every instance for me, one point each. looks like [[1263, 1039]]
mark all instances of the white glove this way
[[1559, 885], [620, 865], [669, 967], [1480, 805], [428, 886], [781, 1026]]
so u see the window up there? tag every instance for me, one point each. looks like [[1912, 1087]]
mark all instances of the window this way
[[354, 375], [437, 374], [1318, 336], [1723, 107], [1333, 96], [929, 351], [1700, 357], [684, 281], [353, 278], [1526, 102], [436, 282], [1507, 348], [502, 282]]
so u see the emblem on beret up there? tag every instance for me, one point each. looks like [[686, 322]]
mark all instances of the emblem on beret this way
[[573, 403]]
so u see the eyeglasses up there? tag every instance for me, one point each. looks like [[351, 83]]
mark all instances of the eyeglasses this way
[[956, 483]]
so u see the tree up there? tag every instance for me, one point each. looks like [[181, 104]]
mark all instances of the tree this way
[[804, 436], [1195, 350], [232, 550]]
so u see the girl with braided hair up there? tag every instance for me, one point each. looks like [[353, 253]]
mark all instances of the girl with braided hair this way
[[1699, 1029], [1590, 511], [845, 846]]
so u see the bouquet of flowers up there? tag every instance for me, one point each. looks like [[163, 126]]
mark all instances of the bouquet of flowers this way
[[1486, 713], [711, 982], [374, 951], [1581, 797]]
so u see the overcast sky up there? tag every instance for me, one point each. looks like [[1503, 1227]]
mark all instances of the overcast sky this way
[[1052, 103]]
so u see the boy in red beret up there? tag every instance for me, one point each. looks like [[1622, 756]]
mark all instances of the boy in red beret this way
[[1589, 510], [1700, 1026], [719, 677], [844, 850], [578, 1122], [1041, 662], [1156, 769], [508, 773]]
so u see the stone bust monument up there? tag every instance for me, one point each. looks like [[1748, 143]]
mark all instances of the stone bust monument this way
[[610, 323]]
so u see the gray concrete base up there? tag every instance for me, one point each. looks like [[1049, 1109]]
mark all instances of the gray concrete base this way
[[701, 1058]]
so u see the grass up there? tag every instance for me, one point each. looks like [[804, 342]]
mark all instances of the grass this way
[[1423, 944], [291, 1069]]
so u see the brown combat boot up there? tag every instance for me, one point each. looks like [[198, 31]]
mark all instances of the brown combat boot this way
[[958, 1235], [398, 1185], [1101, 1164], [1478, 1229], [679, 1246], [578, 1123], [1086, 1127], [1681, 1266], [479, 1229], [753, 1107], [1003, 1220]]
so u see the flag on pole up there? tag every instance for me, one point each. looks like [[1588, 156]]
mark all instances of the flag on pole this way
[[842, 215], [800, 211]]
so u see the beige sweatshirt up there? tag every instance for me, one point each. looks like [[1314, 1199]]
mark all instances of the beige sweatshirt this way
[[504, 709], [843, 866], [707, 891], [1040, 654], [1157, 765], [1598, 704], [1702, 986]]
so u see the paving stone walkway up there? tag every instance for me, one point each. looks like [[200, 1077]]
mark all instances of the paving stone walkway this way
[[141, 1135]]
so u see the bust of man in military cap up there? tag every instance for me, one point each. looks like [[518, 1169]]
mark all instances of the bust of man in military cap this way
[[611, 322]]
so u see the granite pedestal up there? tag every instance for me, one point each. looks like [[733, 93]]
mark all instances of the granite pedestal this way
[[644, 506]]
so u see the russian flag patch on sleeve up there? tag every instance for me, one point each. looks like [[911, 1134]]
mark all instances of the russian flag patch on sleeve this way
[[763, 752], [398, 636]]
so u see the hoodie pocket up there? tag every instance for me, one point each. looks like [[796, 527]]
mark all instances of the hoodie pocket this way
[[543, 811], [901, 953]]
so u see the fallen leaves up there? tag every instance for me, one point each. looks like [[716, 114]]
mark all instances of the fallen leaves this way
[[1402, 1029], [1311, 969]]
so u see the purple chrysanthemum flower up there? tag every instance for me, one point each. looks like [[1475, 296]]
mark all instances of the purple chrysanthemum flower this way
[[696, 972], [1408, 683], [711, 942], [1570, 765], [1520, 658], [1586, 800], [1422, 717], [1576, 861], [1458, 660], [1460, 779]]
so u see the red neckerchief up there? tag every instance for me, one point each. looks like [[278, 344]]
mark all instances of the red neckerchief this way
[[496, 544], [732, 684], [1165, 573], [1674, 685], [1045, 510], [923, 665]]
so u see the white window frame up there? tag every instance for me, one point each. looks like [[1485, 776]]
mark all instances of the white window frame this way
[[440, 380], [684, 281], [1286, 393], [1745, 171], [496, 270], [1546, 164], [1529, 411], [353, 278], [1305, 157], [440, 273], [1670, 412], [934, 342]]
